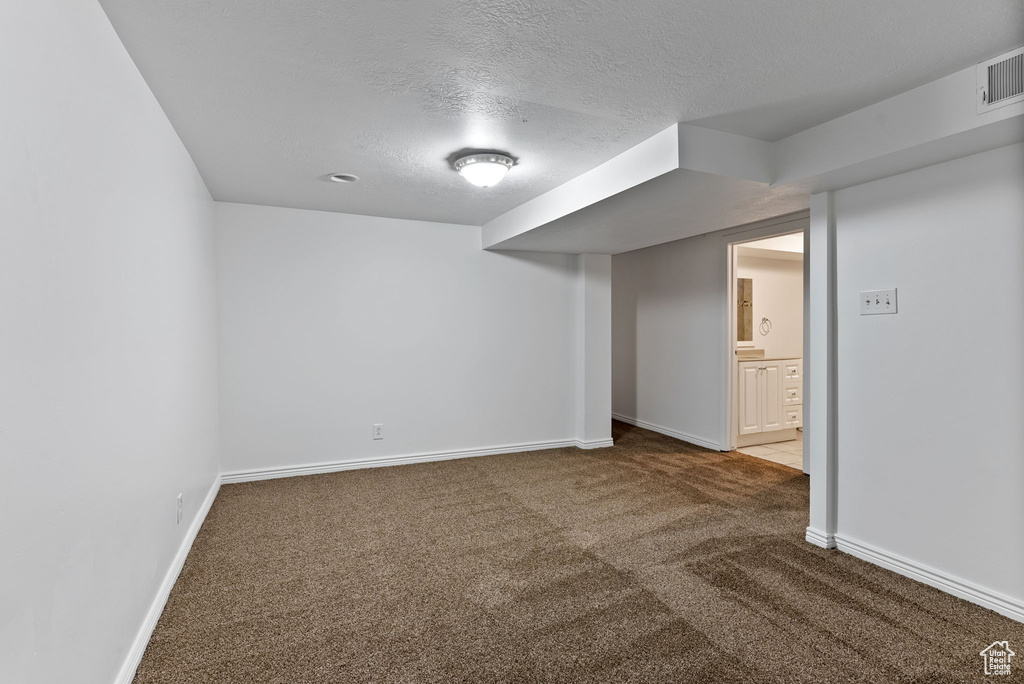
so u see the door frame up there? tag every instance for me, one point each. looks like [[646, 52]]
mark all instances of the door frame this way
[[787, 224]]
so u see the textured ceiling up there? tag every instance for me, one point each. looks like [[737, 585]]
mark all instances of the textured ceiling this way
[[271, 95]]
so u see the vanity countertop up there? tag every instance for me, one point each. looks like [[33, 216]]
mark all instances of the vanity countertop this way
[[771, 358]]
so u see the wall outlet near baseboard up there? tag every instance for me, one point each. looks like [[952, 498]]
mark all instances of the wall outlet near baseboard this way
[[378, 430], [180, 495]]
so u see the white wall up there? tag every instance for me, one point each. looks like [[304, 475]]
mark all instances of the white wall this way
[[778, 296], [669, 337], [930, 400], [108, 404], [594, 350], [333, 322]]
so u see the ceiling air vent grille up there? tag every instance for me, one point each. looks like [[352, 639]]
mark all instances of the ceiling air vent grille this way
[[1001, 81]]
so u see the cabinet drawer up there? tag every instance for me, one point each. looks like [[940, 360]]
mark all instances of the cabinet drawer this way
[[793, 416], [793, 370], [792, 393]]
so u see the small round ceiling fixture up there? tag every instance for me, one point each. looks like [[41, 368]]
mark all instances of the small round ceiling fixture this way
[[343, 178], [484, 169]]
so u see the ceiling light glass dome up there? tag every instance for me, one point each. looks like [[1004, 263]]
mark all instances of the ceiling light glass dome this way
[[484, 170]]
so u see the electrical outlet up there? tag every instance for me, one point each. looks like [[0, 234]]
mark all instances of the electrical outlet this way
[[877, 302], [378, 430], [179, 507]]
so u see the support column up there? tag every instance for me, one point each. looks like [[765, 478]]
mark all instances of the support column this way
[[594, 351], [821, 373]]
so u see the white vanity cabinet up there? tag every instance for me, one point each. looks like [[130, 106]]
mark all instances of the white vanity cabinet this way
[[771, 395]]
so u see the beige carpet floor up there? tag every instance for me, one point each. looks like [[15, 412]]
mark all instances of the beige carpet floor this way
[[652, 561]]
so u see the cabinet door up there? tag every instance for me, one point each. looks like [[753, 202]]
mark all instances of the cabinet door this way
[[771, 397], [750, 400]]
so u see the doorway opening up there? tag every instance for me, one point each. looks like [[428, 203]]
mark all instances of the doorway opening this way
[[766, 349]]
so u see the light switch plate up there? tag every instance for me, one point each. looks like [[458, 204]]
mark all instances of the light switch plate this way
[[874, 302]]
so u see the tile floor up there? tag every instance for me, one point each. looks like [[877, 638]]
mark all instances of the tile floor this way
[[787, 453]]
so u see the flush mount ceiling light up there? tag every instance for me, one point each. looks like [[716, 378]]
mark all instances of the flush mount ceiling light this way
[[343, 178], [484, 169]]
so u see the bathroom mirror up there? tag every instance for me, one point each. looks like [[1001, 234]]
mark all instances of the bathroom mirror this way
[[744, 310]]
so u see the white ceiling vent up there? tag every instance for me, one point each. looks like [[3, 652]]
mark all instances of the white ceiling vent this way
[[1001, 81]]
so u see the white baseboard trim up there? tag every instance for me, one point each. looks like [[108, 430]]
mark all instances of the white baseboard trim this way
[[134, 657], [1004, 605], [594, 444], [819, 538], [699, 441], [383, 461]]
